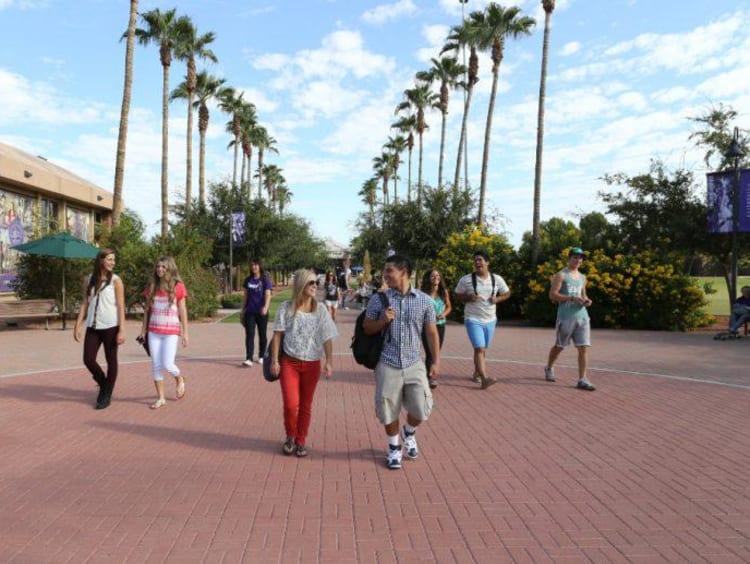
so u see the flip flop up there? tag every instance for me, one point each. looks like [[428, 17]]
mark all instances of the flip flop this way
[[158, 403], [181, 390]]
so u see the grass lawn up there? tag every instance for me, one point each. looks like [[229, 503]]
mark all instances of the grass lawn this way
[[276, 299], [718, 303]]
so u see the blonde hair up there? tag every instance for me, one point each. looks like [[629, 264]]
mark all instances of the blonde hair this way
[[166, 283], [301, 277]]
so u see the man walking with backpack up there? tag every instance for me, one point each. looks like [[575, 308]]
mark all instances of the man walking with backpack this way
[[481, 291], [401, 377]]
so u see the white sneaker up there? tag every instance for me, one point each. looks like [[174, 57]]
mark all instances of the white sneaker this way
[[410, 444], [247, 363], [549, 374], [260, 360], [394, 458]]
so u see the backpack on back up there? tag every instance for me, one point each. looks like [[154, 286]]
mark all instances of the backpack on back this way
[[367, 348]]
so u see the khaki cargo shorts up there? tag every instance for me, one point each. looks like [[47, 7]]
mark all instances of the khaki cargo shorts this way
[[402, 387]]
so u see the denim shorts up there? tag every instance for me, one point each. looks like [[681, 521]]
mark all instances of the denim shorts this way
[[480, 334]]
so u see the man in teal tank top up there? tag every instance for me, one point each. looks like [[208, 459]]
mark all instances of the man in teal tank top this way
[[568, 291]]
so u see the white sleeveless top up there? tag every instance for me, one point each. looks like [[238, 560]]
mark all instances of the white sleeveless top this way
[[106, 310]]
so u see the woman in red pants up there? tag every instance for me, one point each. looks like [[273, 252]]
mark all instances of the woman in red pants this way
[[307, 331]]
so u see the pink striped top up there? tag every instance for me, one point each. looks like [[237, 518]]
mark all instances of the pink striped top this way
[[165, 318]]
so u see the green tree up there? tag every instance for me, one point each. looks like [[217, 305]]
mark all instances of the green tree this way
[[166, 30], [492, 27], [369, 194], [382, 166], [231, 103], [549, 7], [407, 125], [396, 146], [447, 71], [717, 129], [122, 135], [263, 141]]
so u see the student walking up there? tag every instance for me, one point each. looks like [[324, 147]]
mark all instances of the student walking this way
[[332, 293], [303, 333], [103, 310], [568, 290], [481, 291], [401, 377], [166, 324], [256, 301], [434, 286]]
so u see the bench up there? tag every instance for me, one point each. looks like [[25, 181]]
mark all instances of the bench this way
[[29, 309]]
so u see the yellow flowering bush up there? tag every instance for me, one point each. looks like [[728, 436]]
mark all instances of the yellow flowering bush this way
[[636, 291]]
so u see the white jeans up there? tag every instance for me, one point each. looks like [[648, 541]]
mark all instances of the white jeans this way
[[163, 352]]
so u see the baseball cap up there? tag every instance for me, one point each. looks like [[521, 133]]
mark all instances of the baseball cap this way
[[576, 251]]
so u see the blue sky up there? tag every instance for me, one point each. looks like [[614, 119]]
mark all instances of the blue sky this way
[[326, 75]]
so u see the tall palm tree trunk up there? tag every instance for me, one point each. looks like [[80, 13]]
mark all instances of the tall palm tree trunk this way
[[260, 173], [497, 59], [189, 159], [419, 186], [461, 143], [202, 169], [122, 136], [236, 148], [408, 191], [442, 151], [165, 152], [535, 232]]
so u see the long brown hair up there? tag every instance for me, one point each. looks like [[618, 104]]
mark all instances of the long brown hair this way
[[95, 281], [166, 283]]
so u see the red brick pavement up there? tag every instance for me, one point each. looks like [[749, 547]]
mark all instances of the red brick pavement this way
[[652, 467]]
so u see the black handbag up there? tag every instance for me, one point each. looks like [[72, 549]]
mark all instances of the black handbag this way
[[143, 341], [267, 360]]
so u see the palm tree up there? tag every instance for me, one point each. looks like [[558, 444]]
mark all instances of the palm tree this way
[[207, 87], [263, 142], [416, 101], [492, 27], [369, 193], [166, 30], [192, 46], [272, 179], [283, 197], [248, 121], [383, 167], [407, 125], [549, 7], [462, 36], [122, 136], [396, 145], [231, 103], [447, 71]]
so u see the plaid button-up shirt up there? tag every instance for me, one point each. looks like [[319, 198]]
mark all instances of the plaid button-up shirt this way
[[403, 337]]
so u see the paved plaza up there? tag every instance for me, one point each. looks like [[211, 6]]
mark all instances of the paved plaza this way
[[652, 467]]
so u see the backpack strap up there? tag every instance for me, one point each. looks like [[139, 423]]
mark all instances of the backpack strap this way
[[474, 282], [386, 304]]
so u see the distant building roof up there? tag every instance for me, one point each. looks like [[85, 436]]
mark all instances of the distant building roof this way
[[38, 174], [334, 249]]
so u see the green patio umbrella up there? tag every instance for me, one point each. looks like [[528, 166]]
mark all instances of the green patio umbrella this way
[[61, 245]]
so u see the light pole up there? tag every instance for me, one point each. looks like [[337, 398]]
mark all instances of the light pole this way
[[734, 153], [466, 80]]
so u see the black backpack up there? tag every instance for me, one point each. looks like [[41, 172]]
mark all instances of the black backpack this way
[[367, 348]]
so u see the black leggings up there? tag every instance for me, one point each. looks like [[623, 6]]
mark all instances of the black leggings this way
[[427, 355], [94, 339]]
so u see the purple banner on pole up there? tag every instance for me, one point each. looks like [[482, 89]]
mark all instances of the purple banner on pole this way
[[719, 200], [238, 228]]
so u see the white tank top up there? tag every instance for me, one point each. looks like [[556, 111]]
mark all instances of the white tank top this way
[[103, 305]]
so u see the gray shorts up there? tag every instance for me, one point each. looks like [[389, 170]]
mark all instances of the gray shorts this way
[[397, 387], [579, 330]]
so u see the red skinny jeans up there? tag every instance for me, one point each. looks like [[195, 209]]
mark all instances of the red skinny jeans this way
[[298, 381]]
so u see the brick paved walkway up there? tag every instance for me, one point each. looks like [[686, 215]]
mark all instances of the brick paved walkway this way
[[652, 467]]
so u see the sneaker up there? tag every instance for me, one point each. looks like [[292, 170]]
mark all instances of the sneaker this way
[[300, 451], [260, 360], [584, 384], [476, 378], [410, 444], [288, 447], [247, 363], [433, 383], [549, 374], [394, 457]]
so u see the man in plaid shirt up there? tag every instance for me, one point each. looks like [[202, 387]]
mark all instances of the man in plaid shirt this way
[[401, 377]]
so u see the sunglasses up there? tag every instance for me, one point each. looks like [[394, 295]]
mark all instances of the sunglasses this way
[[310, 283]]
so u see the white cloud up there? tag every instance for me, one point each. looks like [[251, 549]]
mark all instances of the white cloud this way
[[435, 35], [570, 48], [384, 12]]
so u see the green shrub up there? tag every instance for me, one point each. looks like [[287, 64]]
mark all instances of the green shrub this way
[[634, 291], [232, 301]]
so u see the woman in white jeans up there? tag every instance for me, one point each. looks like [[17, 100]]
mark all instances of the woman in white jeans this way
[[165, 322]]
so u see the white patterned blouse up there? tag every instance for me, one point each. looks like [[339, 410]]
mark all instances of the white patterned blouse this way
[[304, 333]]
